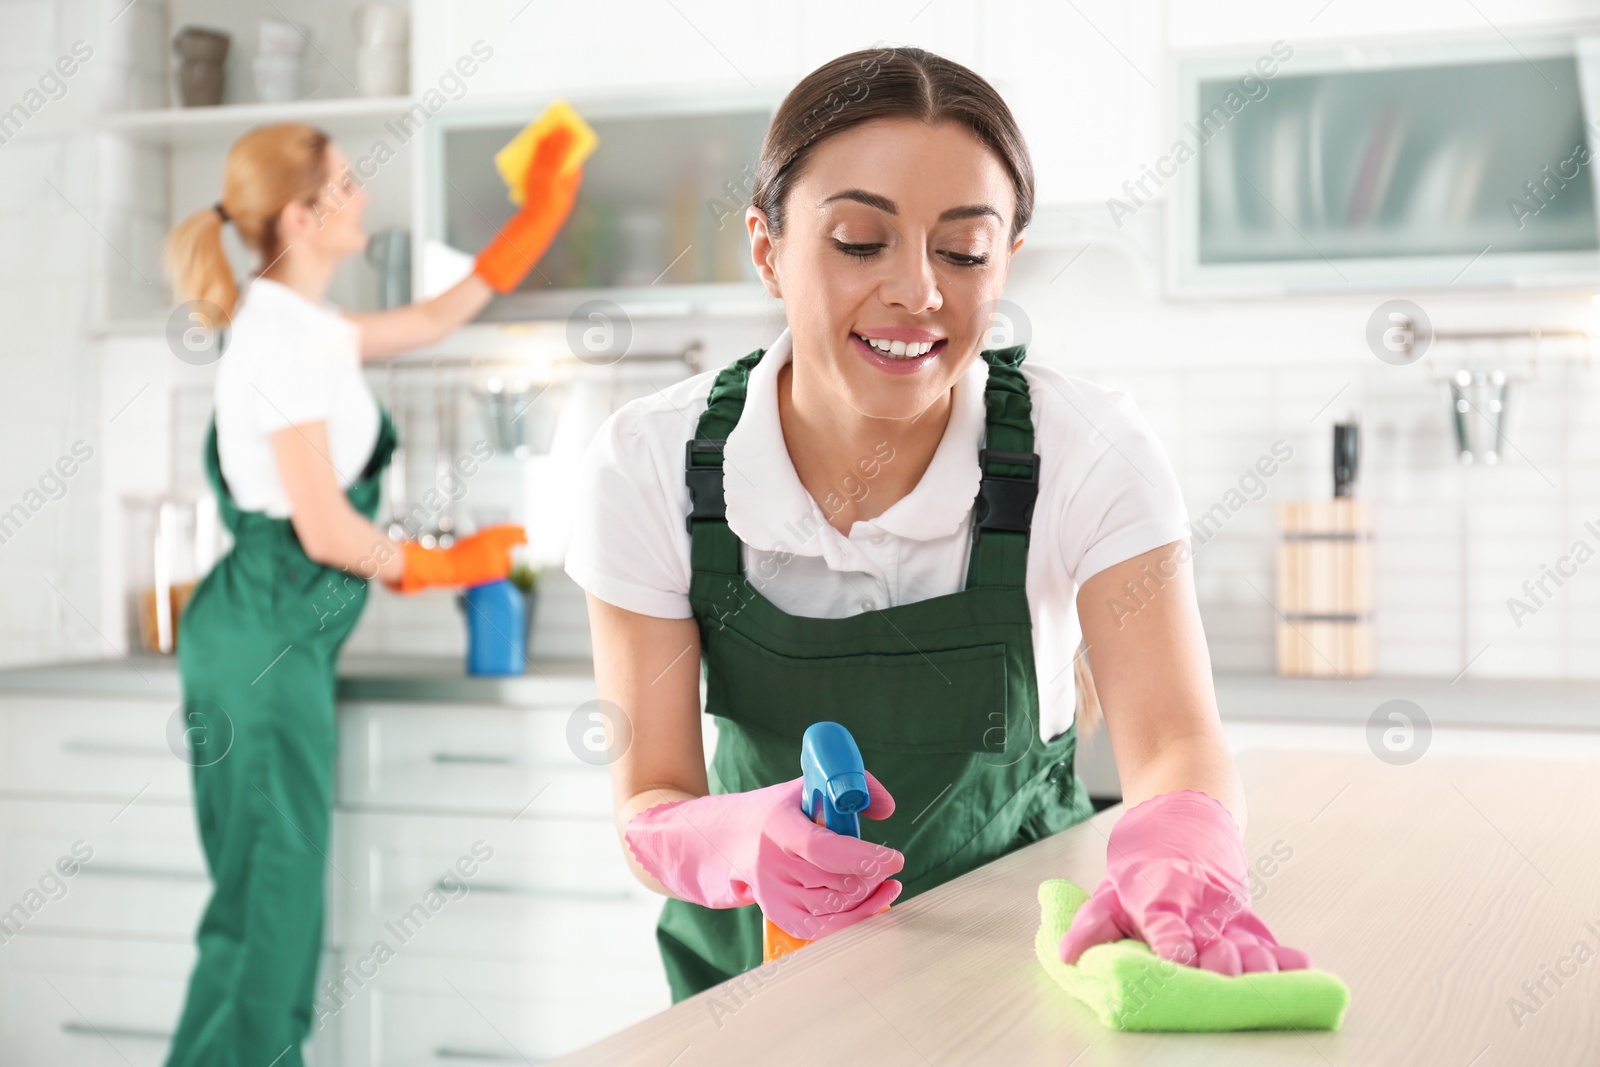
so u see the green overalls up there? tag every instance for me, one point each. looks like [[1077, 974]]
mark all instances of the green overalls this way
[[258, 646], [941, 695]]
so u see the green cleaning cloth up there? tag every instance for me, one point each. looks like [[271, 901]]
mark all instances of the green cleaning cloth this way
[[1131, 988]]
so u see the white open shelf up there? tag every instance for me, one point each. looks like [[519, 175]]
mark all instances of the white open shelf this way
[[192, 125]]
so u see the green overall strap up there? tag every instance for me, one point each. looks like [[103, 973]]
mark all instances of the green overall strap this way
[[712, 545], [1010, 483], [364, 493], [1004, 505]]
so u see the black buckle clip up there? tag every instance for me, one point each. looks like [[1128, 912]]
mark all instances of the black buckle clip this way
[[1005, 502], [705, 482]]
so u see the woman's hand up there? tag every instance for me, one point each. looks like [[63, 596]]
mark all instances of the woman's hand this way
[[548, 195], [548, 192], [1176, 878], [478, 558], [1176, 873], [732, 849]]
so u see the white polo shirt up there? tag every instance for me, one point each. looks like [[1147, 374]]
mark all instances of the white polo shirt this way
[[1107, 493], [289, 360]]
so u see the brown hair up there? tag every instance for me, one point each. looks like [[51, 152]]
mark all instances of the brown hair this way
[[881, 83], [901, 82], [266, 169]]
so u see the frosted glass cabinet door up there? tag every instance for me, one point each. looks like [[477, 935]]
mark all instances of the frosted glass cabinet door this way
[[662, 201], [1404, 169]]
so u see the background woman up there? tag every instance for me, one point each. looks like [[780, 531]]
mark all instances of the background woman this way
[[834, 565], [294, 454]]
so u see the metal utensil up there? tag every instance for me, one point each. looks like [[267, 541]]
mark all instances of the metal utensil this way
[[1459, 406], [1346, 457], [1499, 390], [395, 477], [444, 457]]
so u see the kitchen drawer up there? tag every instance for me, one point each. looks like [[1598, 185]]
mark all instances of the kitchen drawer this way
[[103, 1003], [93, 747], [479, 759], [92, 1002], [553, 891], [146, 876], [427, 1012]]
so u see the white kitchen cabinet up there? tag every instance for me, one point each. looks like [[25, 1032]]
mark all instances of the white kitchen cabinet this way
[[94, 1002], [551, 892], [420, 1011], [88, 747], [1086, 82], [99, 770], [143, 874], [1203, 24], [465, 759], [827, 29], [545, 929], [498, 919], [542, 47], [91, 1002]]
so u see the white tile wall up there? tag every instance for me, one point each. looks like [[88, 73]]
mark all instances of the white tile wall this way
[[52, 252], [1451, 543]]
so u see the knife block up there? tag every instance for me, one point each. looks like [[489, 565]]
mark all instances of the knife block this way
[[1324, 594]]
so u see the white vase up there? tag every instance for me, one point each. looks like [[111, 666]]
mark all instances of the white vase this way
[[381, 70], [278, 77]]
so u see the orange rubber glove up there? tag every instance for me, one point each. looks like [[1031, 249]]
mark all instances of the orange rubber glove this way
[[547, 198], [481, 557]]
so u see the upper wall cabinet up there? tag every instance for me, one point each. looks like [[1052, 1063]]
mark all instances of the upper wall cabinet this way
[[541, 46], [1420, 164], [658, 227], [1227, 24], [1084, 81], [544, 47]]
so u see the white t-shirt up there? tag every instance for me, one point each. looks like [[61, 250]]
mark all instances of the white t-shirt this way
[[289, 360], [1107, 493]]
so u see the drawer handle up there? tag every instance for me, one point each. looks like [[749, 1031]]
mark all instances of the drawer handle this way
[[110, 748], [137, 1034], [447, 1053], [533, 891], [157, 874], [475, 758]]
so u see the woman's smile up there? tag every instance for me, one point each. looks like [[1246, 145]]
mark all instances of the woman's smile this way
[[899, 349]]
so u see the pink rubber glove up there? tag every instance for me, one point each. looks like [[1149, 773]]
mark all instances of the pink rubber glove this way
[[731, 849], [1177, 879]]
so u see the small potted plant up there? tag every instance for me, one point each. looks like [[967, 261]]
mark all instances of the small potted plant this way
[[526, 578]]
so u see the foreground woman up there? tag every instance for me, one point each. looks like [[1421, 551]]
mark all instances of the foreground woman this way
[[879, 522]]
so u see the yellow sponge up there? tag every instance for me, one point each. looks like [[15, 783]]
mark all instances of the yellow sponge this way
[[513, 160]]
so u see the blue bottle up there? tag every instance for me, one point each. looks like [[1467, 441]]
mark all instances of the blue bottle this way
[[497, 642]]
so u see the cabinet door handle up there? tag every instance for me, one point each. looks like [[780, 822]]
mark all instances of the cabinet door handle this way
[[536, 891], [110, 748], [475, 758], [445, 1052], [135, 1033], [157, 874]]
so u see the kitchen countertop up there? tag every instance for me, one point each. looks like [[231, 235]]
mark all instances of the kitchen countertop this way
[[1435, 890], [1507, 703], [1516, 703], [439, 679]]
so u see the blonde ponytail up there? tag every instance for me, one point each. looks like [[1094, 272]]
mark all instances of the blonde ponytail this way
[[197, 265], [267, 169]]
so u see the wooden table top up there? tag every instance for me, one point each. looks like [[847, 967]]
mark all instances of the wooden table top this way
[[1435, 890]]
